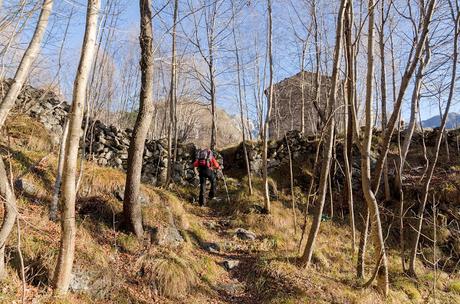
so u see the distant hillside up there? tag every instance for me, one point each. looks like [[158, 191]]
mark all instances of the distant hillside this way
[[453, 121]]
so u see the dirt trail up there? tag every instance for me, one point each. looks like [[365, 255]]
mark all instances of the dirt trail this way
[[227, 249]]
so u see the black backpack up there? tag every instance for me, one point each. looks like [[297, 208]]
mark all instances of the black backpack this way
[[204, 158]]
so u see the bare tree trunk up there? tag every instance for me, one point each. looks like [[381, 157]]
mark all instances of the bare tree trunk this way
[[291, 175], [348, 117], [444, 135], [172, 127], [269, 109], [380, 255], [240, 101], [9, 216], [414, 107], [131, 205], [426, 186], [305, 259], [67, 246], [383, 89], [6, 192], [60, 168]]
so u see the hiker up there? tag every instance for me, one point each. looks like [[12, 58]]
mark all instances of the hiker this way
[[205, 166]]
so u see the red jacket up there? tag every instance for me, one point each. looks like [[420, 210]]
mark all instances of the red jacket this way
[[212, 163]]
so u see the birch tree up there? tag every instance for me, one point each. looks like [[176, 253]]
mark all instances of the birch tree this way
[[63, 271]]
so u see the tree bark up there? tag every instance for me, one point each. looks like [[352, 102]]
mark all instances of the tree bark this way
[[305, 259], [172, 127], [372, 205], [131, 206], [269, 110], [67, 246], [9, 216], [60, 168], [348, 117]]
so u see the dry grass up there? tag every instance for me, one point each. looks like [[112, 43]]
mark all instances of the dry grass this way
[[173, 276], [26, 132]]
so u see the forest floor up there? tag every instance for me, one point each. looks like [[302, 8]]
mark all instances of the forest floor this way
[[227, 252]]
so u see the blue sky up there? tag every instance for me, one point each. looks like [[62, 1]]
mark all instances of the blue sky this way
[[252, 22]]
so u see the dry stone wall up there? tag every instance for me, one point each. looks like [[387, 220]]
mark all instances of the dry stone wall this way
[[107, 145]]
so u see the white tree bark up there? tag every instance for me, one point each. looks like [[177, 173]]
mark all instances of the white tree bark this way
[[67, 247]]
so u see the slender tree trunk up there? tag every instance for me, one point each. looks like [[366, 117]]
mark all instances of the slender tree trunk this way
[[67, 246], [426, 186], [291, 175], [172, 127], [348, 118], [60, 168], [269, 109], [9, 217], [6, 192], [131, 206], [240, 101], [305, 259], [317, 97], [383, 89], [376, 225]]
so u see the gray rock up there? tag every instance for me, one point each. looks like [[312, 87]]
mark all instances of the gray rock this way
[[79, 281], [211, 247], [244, 234], [25, 187], [109, 155], [230, 264], [168, 236], [102, 162]]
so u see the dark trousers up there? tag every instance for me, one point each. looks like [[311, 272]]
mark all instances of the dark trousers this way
[[205, 174]]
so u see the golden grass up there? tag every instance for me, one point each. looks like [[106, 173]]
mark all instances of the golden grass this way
[[173, 276]]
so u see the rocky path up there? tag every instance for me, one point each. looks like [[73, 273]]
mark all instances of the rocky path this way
[[231, 249]]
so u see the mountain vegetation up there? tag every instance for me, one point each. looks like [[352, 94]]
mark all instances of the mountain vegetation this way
[[307, 116]]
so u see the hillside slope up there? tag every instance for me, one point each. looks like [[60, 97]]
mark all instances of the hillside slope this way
[[224, 253]]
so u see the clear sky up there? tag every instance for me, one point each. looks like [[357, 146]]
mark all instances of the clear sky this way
[[288, 28]]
